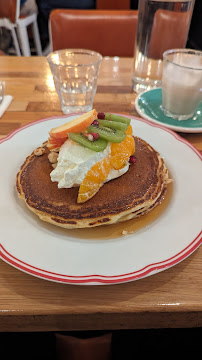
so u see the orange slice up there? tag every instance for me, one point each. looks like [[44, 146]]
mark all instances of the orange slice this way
[[93, 180], [121, 152], [129, 130]]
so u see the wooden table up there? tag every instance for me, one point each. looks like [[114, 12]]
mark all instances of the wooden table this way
[[170, 299]]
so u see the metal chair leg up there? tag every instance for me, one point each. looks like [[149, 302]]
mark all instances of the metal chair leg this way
[[24, 40], [15, 41], [36, 36]]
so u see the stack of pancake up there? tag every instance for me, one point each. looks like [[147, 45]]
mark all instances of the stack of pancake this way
[[131, 195]]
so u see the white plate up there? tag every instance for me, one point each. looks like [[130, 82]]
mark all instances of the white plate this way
[[56, 254]]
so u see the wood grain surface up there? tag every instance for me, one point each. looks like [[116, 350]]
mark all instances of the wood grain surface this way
[[170, 299]]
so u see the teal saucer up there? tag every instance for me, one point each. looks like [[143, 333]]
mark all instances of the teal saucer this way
[[148, 106]]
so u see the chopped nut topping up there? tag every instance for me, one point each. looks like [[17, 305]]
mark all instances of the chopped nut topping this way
[[39, 151], [52, 157], [54, 165]]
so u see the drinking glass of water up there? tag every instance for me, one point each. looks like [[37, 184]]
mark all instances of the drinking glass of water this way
[[75, 73], [181, 83], [2, 90], [162, 25]]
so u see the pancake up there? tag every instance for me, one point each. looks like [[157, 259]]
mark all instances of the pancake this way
[[131, 195]]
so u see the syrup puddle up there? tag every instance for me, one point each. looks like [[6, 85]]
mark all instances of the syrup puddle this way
[[104, 232], [108, 232]]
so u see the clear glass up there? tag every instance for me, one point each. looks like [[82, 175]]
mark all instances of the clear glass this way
[[2, 90], [181, 83], [75, 73], [162, 25]]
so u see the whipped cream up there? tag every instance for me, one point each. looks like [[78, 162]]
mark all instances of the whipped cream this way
[[74, 161]]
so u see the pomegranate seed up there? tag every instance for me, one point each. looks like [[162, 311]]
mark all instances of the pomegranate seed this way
[[90, 137], [95, 135], [101, 115], [132, 159], [95, 122]]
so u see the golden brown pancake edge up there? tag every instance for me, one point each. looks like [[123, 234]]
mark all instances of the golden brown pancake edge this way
[[134, 193]]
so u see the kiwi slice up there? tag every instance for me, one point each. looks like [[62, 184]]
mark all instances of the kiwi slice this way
[[112, 135], [113, 124], [117, 118], [96, 145]]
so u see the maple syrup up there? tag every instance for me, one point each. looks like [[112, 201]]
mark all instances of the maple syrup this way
[[107, 232]]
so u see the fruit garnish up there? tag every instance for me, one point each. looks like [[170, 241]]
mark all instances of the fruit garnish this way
[[112, 135], [94, 135], [113, 124], [113, 117], [129, 130], [54, 143], [132, 159], [120, 153], [101, 115], [76, 125], [97, 145], [91, 136], [94, 179], [95, 122]]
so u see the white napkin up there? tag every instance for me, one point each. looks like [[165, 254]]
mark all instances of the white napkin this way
[[5, 104]]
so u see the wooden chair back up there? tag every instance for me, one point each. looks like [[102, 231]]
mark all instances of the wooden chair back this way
[[110, 32], [10, 9]]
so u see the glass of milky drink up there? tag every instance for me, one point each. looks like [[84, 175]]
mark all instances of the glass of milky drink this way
[[181, 83], [162, 25]]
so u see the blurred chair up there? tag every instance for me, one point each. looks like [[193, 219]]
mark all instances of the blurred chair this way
[[110, 32], [113, 4], [10, 18]]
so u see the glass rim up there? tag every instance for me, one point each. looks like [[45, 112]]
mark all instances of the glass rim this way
[[185, 51], [75, 51]]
